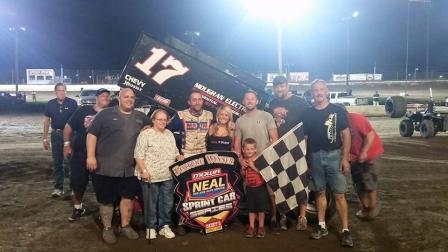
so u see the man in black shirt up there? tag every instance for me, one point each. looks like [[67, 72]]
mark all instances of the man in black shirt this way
[[287, 110], [326, 127], [76, 150], [376, 98], [110, 145], [57, 112]]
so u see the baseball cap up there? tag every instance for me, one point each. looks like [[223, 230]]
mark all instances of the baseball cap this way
[[279, 79], [102, 90]]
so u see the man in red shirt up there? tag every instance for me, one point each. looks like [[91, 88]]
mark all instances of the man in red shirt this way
[[365, 150]]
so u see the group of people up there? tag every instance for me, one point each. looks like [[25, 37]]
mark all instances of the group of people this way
[[123, 150]]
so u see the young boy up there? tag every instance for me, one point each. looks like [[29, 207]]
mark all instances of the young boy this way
[[256, 191]]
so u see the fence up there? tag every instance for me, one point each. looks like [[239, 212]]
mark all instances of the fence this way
[[79, 76], [89, 76]]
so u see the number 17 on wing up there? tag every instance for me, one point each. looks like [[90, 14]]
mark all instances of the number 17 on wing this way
[[171, 66]]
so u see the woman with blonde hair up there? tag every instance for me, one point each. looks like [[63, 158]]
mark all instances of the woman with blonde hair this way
[[220, 133]]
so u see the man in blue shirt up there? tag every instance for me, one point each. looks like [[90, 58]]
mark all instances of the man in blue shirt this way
[[57, 112]]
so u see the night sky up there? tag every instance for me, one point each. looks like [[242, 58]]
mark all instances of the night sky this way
[[100, 34]]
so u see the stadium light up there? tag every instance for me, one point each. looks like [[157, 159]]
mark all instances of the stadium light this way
[[280, 11], [355, 14], [284, 10], [192, 35]]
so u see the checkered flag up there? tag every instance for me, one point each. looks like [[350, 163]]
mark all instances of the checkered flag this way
[[284, 168]]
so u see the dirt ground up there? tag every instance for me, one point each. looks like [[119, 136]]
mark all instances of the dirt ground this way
[[412, 190]]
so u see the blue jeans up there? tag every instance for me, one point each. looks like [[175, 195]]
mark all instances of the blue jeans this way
[[326, 170], [57, 151], [157, 203]]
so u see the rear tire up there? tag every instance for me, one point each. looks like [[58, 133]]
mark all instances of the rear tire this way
[[395, 106], [406, 128], [427, 128]]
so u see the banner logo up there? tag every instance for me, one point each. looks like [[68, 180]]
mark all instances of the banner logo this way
[[207, 187]]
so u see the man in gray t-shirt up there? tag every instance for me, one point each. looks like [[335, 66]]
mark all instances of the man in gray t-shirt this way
[[110, 144], [260, 126], [256, 124]]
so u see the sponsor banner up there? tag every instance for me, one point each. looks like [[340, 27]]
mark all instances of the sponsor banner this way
[[271, 76], [40, 76], [207, 189], [377, 76], [167, 74], [299, 76], [358, 77], [339, 77]]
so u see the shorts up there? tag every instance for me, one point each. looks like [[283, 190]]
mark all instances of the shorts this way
[[79, 175], [365, 176], [326, 171], [257, 199], [110, 190]]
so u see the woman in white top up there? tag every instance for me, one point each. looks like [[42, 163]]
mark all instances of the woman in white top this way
[[154, 152]]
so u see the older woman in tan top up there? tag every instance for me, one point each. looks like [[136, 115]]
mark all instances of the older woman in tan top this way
[[155, 151]]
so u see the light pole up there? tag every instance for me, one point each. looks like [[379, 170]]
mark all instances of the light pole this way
[[427, 34], [347, 20], [427, 6], [16, 30], [407, 41], [192, 35], [279, 47]]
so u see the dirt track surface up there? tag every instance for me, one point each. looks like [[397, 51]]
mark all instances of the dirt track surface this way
[[412, 191]]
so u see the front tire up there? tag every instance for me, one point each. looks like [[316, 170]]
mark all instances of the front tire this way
[[406, 128], [427, 128]]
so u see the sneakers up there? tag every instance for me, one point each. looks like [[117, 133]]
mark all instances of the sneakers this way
[[151, 234], [319, 232], [346, 239], [180, 230], [374, 212], [302, 224], [57, 193], [250, 233], [361, 215], [109, 236], [166, 231], [283, 223], [260, 232], [129, 232], [77, 214]]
